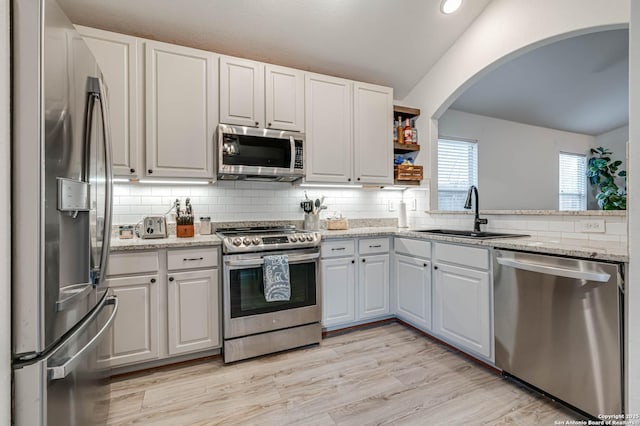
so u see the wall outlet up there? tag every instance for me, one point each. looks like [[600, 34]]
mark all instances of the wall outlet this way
[[413, 204], [391, 206], [593, 226]]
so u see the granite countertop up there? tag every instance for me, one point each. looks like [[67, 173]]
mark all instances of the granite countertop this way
[[118, 245], [589, 249], [576, 248]]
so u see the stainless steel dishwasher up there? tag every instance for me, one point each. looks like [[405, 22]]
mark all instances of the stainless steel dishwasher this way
[[558, 327]]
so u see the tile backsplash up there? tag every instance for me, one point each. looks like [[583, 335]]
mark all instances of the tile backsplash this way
[[242, 201], [255, 201]]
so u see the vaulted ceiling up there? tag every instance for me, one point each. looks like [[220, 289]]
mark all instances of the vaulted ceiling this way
[[387, 42]]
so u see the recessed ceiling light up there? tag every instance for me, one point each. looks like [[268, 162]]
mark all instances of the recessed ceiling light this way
[[449, 6]]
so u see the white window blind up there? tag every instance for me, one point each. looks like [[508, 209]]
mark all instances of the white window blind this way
[[457, 171], [573, 182]]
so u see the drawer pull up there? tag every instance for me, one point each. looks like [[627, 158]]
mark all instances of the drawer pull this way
[[376, 246], [338, 248], [192, 259]]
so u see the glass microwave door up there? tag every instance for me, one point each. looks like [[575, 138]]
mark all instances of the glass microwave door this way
[[258, 151]]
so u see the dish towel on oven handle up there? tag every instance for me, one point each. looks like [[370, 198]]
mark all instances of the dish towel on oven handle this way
[[277, 287]]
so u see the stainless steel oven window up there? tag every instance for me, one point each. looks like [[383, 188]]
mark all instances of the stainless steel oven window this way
[[247, 290]]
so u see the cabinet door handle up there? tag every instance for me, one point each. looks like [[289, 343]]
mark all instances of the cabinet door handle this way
[[364, 260], [257, 123], [170, 278], [153, 280], [376, 246], [132, 170], [358, 178], [349, 180], [192, 259], [150, 171], [353, 261], [268, 124], [435, 267], [338, 248], [425, 265]]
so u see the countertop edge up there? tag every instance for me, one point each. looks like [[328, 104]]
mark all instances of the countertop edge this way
[[530, 244]]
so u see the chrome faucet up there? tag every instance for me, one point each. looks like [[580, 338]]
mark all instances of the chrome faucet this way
[[467, 205]]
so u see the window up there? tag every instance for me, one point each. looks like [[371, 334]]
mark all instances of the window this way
[[457, 171], [573, 182]]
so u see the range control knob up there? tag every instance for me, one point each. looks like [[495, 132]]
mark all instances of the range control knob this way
[[293, 238], [237, 241], [256, 241], [301, 238], [309, 237], [247, 241]]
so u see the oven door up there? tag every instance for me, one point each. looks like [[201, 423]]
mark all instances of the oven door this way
[[246, 310]]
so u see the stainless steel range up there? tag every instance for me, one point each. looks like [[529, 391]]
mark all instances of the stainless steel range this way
[[252, 325]]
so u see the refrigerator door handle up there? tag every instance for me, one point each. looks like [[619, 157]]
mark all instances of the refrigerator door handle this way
[[106, 235], [61, 371]]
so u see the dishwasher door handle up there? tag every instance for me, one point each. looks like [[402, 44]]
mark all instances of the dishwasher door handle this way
[[601, 277]]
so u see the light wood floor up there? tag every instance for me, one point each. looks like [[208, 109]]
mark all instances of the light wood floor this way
[[384, 375]]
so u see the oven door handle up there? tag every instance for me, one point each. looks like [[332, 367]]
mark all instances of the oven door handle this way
[[293, 258]]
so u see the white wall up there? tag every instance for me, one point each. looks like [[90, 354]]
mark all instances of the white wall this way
[[505, 29], [5, 220], [633, 204], [517, 163]]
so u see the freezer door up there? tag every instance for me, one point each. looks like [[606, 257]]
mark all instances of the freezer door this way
[[67, 388]]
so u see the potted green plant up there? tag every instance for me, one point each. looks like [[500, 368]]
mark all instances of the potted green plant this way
[[602, 172]]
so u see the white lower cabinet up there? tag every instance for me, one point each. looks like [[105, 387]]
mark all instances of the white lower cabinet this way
[[135, 332], [462, 302], [413, 290], [338, 291], [162, 314], [192, 304], [373, 286], [351, 295]]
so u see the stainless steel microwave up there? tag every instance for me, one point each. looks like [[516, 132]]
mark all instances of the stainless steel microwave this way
[[247, 153]]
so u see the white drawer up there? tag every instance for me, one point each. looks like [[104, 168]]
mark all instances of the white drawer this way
[[414, 248], [373, 245], [134, 262], [474, 257], [192, 258], [338, 248]]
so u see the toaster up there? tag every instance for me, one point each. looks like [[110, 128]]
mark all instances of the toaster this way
[[154, 227]]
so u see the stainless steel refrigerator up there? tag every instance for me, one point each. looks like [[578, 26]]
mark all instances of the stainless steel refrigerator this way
[[61, 205]]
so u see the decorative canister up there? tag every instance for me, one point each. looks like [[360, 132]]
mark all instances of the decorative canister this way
[[205, 226]]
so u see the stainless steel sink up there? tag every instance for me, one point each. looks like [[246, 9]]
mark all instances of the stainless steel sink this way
[[470, 234]]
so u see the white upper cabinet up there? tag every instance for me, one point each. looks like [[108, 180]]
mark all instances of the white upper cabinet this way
[[328, 124], [284, 98], [181, 111], [261, 95], [373, 133], [118, 57], [241, 92]]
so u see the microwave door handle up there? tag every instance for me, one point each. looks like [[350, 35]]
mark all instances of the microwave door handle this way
[[292, 165]]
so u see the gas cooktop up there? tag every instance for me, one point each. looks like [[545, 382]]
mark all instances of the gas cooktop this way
[[263, 238]]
